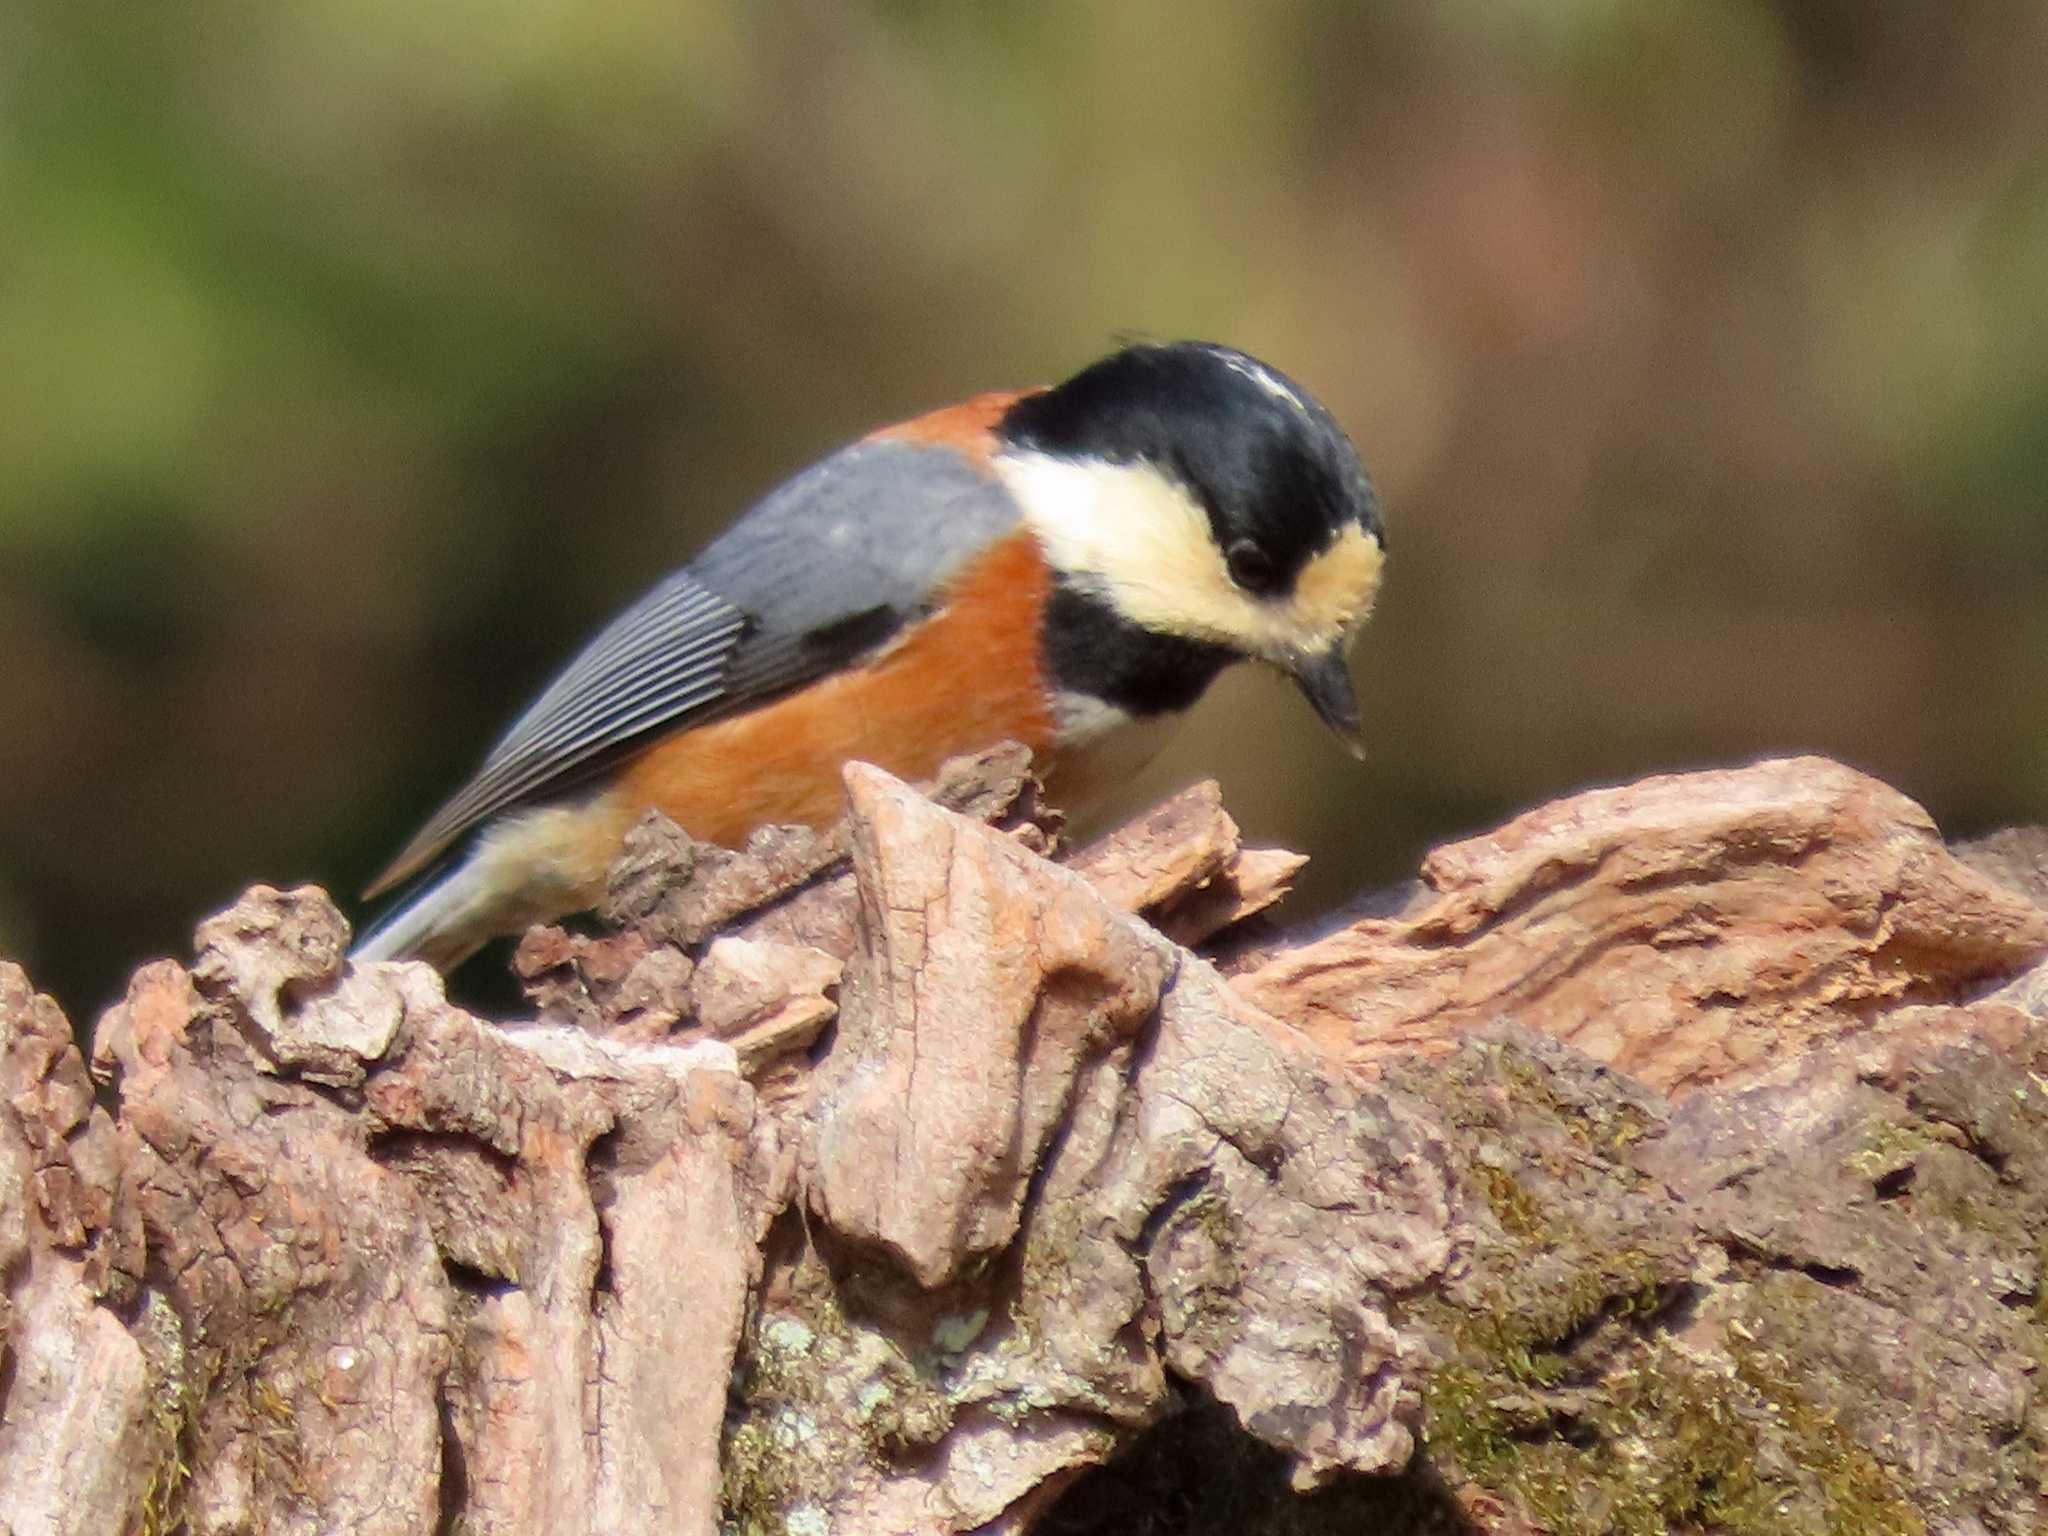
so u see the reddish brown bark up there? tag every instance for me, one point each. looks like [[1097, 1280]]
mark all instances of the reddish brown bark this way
[[1675, 1155]]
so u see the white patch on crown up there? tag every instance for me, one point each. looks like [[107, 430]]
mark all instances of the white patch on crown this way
[[1267, 380], [1141, 541]]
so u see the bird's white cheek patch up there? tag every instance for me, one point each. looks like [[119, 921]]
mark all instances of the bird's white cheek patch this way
[[1128, 529]]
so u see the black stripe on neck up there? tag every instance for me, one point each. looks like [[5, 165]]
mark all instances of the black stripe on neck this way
[[1092, 649]]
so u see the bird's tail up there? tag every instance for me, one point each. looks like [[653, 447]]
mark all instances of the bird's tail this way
[[442, 923], [530, 869]]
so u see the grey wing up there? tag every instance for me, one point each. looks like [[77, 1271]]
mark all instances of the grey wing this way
[[823, 570]]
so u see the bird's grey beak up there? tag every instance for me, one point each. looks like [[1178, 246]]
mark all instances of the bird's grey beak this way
[[1325, 680]]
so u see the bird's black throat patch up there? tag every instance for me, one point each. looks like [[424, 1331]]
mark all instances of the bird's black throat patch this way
[[1090, 648]]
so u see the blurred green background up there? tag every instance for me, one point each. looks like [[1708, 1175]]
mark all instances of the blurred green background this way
[[361, 356]]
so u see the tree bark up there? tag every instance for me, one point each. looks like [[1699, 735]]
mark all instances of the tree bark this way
[[1674, 1157]]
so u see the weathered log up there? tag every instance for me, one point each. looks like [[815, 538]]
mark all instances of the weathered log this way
[[1675, 1157]]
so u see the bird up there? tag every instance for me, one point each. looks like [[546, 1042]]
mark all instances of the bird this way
[[1068, 567]]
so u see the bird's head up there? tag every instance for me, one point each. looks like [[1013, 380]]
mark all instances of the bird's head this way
[[1192, 493]]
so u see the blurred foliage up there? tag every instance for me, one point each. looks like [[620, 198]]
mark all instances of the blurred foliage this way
[[361, 357]]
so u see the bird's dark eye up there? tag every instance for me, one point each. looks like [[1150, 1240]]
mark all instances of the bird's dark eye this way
[[1251, 567]]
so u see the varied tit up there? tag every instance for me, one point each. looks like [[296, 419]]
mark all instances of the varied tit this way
[[1067, 567]]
